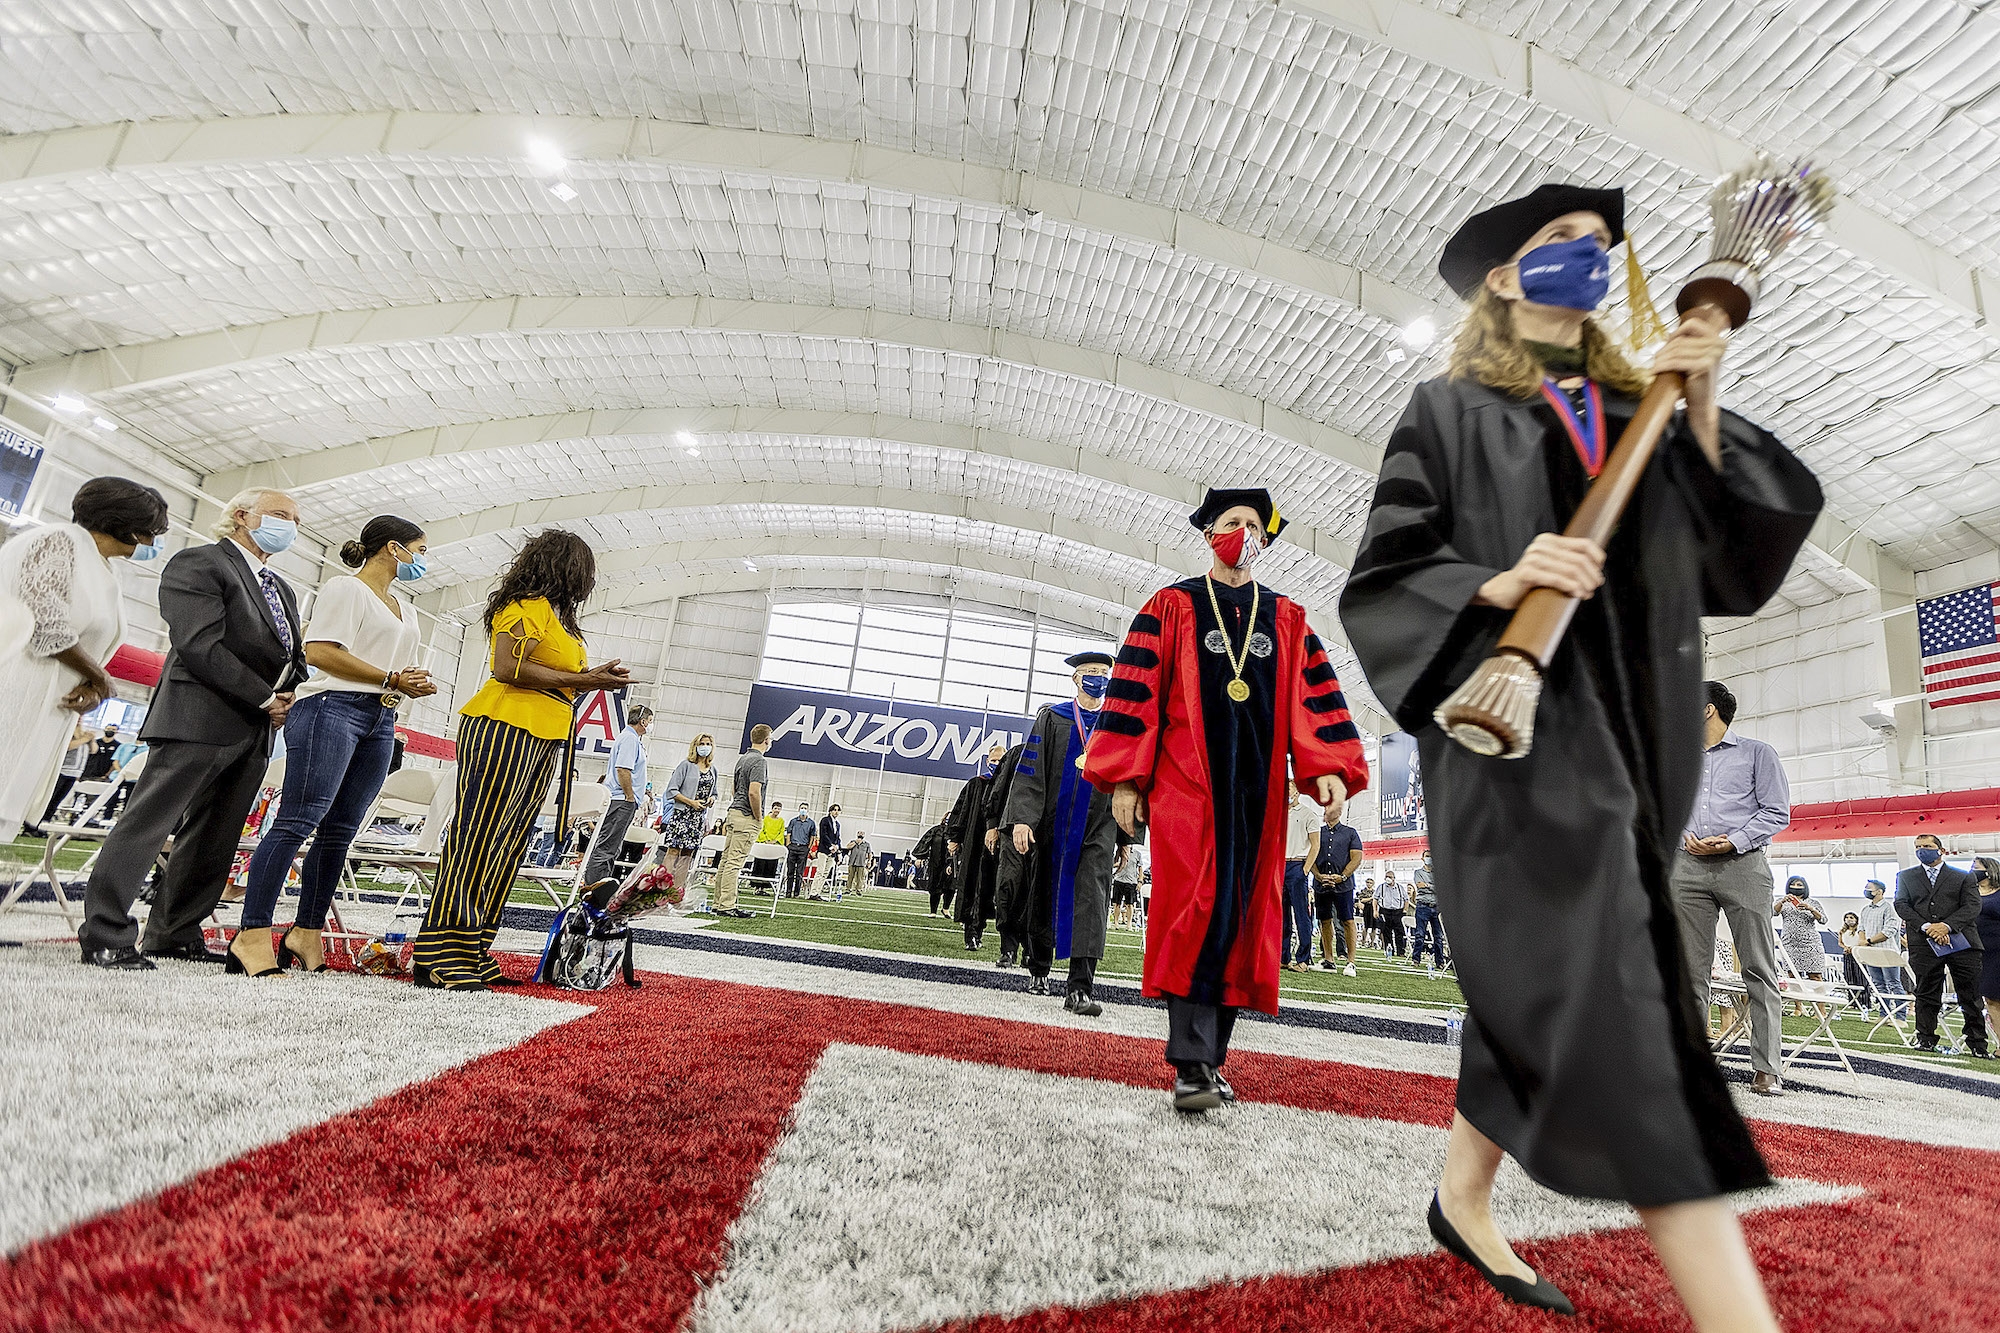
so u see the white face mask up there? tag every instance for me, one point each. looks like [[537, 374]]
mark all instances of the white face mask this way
[[704, 751]]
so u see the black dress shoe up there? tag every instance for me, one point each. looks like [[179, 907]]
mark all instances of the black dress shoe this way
[[126, 959], [187, 953], [1195, 1089], [1981, 1053], [1079, 1002], [1038, 985], [1222, 1086], [1541, 1293]]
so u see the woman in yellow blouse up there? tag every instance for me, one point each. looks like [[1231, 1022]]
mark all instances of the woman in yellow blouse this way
[[511, 744]]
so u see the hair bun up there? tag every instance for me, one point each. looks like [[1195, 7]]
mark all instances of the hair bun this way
[[354, 555]]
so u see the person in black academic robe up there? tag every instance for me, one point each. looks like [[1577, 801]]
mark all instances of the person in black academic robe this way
[[1053, 810], [974, 863], [1584, 1057], [933, 850], [1011, 870]]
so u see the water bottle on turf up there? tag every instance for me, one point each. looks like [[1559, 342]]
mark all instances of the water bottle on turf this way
[[1454, 1028]]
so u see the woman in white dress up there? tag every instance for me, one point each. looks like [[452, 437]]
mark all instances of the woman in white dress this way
[[61, 618]]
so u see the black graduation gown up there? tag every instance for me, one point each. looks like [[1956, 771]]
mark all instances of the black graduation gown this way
[[932, 851], [1585, 1057], [976, 867], [1035, 797], [1013, 873]]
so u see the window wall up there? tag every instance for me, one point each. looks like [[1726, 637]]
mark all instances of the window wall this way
[[962, 657]]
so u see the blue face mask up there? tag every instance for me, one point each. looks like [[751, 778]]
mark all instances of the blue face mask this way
[[1095, 686], [145, 551], [414, 568], [1572, 274], [1929, 855], [273, 534]]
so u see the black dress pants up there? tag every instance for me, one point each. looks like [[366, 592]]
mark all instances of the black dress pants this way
[[1082, 975], [1198, 1034], [1929, 970], [197, 794]]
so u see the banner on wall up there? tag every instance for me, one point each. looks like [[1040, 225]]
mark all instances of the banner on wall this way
[[600, 716], [855, 731], [1402, 786], [20, 459]]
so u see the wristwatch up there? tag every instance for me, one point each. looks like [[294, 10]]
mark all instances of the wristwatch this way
[[391, 698]]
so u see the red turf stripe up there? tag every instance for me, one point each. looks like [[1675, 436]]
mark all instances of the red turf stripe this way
[[614, 1151]]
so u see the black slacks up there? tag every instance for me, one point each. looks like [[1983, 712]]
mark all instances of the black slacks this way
[[1198, 1034], [1929, 970], [197, 794]]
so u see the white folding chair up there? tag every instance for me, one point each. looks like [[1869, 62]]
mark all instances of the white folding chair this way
[[587, 801], [406, 792], [81, 829], [1823, 999], [1882, 955], [773, 855]]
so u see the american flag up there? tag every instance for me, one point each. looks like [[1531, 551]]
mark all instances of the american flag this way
[[1960, 641]]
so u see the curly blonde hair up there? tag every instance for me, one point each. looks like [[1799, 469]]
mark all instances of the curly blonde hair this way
[[1488, 351]]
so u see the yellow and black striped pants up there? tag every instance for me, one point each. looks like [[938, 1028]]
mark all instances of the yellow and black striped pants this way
[[503, 774]]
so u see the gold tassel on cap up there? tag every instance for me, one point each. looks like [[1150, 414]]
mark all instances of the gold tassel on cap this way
[[1647, 326]]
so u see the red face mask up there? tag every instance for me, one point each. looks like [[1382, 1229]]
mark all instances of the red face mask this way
[[1234, 549]]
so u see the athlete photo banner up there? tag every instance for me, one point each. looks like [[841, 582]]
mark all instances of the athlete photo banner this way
[[856, 731], [1401, 784]]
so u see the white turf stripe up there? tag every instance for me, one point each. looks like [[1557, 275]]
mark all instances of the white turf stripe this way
[[115, 1085], [912, 1190]]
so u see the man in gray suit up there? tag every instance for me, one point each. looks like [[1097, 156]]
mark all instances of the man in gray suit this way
[[234, 655]]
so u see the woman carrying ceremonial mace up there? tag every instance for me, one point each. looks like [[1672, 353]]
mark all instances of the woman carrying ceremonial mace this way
[[1584, 1058]]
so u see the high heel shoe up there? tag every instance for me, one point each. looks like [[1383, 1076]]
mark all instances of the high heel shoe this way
[[288, 955], [233, 964], [1541, 1293]]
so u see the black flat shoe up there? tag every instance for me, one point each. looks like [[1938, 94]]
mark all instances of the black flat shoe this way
[[286, 955], [126, 959], [1195, 1090], [422, 978], [187, 953], [1540, 1294]]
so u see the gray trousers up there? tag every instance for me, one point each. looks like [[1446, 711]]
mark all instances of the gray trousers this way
[[199, 795], [1740, 887], [610, 837]]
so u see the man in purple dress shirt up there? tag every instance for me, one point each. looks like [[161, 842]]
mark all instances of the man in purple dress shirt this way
[[1744, 801]]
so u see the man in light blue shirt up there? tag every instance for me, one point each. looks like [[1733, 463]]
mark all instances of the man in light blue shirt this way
[[625, 774], [1744, 799], [1881, 928]]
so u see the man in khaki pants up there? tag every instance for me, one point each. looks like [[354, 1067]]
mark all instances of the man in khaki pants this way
[[745, 817]]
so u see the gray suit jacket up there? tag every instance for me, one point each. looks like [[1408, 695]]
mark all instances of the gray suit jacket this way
[[225, 657]]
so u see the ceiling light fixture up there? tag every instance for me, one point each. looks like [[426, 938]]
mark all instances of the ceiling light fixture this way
[[1397, 356], [694, 453], [1420, 333], [105, 424], [68, 404], [563, 190], [547, 158], [750, 565], [685, 437]]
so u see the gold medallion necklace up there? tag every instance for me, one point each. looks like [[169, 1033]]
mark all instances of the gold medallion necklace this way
[[1238, 689]]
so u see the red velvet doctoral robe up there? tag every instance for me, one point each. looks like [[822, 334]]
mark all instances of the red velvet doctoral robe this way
[[1213, 932]]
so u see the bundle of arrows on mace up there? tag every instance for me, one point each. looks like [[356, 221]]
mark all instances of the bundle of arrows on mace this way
[[1758, 210]]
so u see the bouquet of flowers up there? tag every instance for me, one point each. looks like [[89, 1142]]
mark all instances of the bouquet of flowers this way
[[644, 891]]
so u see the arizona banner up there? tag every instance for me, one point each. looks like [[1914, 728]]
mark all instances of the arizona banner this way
[[856, 731]]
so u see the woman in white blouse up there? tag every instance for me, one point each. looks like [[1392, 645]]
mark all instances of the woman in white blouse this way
[[339, 739], [61, 618]]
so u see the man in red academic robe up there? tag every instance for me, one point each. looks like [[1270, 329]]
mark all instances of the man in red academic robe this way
[[1220, 685]]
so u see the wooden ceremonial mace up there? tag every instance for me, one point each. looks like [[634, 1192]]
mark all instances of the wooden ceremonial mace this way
[[1757, 210]]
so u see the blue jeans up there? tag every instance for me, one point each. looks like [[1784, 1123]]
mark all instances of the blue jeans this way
[[1298, 912], [1887, 982], [1429, 927], [338, 745]]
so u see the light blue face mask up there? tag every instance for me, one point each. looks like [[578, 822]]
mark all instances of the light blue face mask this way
[[144, 551], [418, 565], [273, 534]]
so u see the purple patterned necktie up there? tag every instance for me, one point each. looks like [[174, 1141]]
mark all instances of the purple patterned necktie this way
[[277, 605]]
